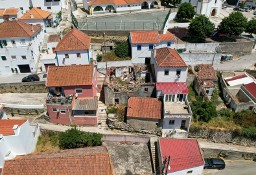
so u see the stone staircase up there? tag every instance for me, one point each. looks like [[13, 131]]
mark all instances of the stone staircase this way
[[153, 149], [102, 115]]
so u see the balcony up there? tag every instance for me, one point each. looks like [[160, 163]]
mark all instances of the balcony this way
[[181, 108], [59, 100]]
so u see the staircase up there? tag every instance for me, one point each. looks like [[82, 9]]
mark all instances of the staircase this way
[[153, 149], [102, 115]]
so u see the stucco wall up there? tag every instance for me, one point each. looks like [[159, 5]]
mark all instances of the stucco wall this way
[[161, 77], [201, 58], [87, 91], [237, 48], [57, 117], [73, 59], [26, 87], [195, 171], [177, 123], [143, 123]]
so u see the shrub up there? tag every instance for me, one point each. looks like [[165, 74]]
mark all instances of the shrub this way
[[112, 110], [74, 138], [226, 113], [122, 49], [186, 11], [99, 58], [249, 133], [246, 118]]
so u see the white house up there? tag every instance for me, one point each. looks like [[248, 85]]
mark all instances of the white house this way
[[170, 74], [51, 5], [17, 137], [74, 48], [209, 8], [19, 47], [9, 14], [110, 6], [37, 16], [143, 42], [180, 157]]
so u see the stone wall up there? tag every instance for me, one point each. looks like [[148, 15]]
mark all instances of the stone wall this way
[[26, 87], [145, 124], [220, 136], [18, 111], [110, 95], [237, 48]]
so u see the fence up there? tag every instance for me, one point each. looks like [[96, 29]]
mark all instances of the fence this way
[[120, 26]]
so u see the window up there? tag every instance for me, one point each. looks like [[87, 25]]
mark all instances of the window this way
[[78, 55], [178, 73], [13, 42], [79, 91], [49, 8], [4, 42], [56, 0], [150, 47], [116, 101], [166, 72], [63, 111], [48, 0], [39, 7], [215, 1], [13, 57], [189, 172], [3, 58], [138, 47], [169, 44], [21, 8], [207, 91], [171, 122], [24, 57], [22, 41], [145, 89], [54, 110], [66, 56]]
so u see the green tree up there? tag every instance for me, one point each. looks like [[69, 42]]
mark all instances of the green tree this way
[[122, 49], [168, 3], [200, 27], [74, 138], [251, 26], [186, 11], [234, 24], [232, 2], [246, 118]]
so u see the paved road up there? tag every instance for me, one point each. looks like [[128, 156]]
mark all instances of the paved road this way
[[237, 167], [243, 62], [16, 78]]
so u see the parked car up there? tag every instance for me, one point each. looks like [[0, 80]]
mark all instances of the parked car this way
[[30, 78], [214, 163]]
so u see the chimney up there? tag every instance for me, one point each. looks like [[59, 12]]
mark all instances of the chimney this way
[[32, 28], [31, 16]]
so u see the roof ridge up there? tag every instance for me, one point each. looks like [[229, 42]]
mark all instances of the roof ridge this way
[[19, 23]]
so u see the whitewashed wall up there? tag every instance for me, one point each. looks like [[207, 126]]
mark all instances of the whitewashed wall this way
[[73, 59], [160, 77]]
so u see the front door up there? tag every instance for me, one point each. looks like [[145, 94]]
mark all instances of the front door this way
[[183, 124]]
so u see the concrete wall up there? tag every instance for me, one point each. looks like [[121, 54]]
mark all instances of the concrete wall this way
[[73, 59], [237, 48], [142, 123], [23, 111], [161, 77], [201, 58], [126, 138], [177, 123], [110, 95], [195, 171], [57, 117], [26, 87]]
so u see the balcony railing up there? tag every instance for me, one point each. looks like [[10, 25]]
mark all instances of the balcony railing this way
[[59, 100]]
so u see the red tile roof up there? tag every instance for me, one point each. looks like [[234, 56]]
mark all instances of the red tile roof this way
[[167, 57], [53, 38], [184, 153], [9, 11], [114, 2], [6, 126], [74, 40], [74, 75], [251, 88], [9, 29], [206, 72], [143, 107], [82, 161], [167, 37], [36, 13], [172, 87], [236, 77], [150, 37]]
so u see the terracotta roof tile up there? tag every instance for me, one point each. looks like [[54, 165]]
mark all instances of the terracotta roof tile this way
[[15, 28], [53, 38], [114, 2], [144, 37], [172, 87], [7, 125], [75, 75], [74, 40], [184, 153], [142, 107], [2, 12], [11, 11], [251, 88], [208, 83], [167, 57], [82, 161], [150, 37], [36, 13], [206, 72], [167, 37]]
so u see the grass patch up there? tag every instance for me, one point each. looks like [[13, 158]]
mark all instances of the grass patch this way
[[48, 141], [111, 56]]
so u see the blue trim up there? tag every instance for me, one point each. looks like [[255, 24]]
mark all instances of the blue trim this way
[[57, 59], [88, 56]]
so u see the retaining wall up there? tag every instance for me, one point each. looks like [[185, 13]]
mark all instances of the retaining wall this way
[[26, 87]]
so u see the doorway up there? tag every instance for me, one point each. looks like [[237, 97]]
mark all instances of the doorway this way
[[183, 124], [24, 68]]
